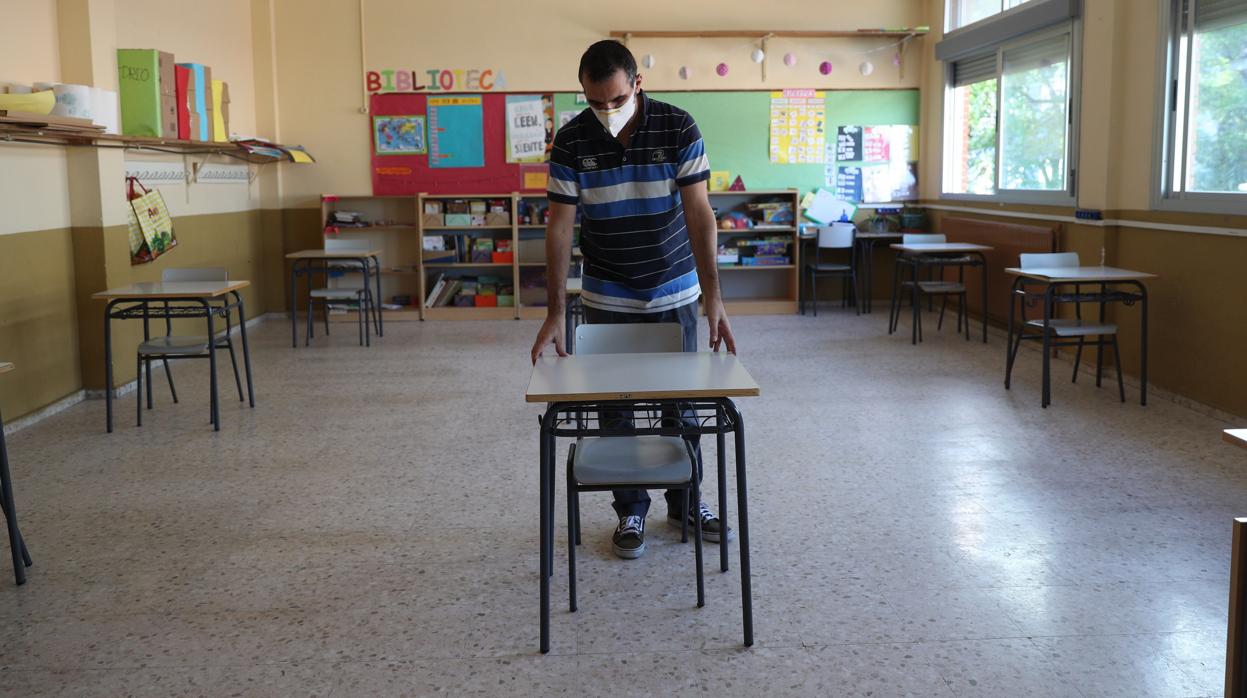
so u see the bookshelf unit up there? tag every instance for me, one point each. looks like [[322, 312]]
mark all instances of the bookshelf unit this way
[[769, 289], [392, 225], [462, 259]]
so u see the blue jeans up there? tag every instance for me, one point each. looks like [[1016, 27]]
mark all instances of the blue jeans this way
[[636, 502]]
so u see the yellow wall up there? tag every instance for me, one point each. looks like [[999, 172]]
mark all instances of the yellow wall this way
[[537, 45], [1198, 322]]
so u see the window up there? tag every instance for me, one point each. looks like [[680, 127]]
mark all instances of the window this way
[[959, 13], [1205, 111], [1007, 121]]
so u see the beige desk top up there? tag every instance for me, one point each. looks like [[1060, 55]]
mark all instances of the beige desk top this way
[[172, 290], [1238, 437], [574, 286], [940, 247], [1080, 274], [639, 377], [335, 254], [5, 367]]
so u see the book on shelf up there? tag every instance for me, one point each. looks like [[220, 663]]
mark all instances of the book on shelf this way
[[435, 290]]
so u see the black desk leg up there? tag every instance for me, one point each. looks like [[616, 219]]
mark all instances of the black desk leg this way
[[108, 364], [1143, 347], [294, 283], [1009, 331], [546, 524], [721, 457], [742, 504], [17, 546], [380, 317], [983, 308], [246, 348], [216, 408], [1047, 346]]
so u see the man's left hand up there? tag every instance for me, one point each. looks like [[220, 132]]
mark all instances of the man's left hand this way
[[720, 328]]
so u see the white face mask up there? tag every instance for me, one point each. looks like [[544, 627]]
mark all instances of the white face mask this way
[[614, 120]]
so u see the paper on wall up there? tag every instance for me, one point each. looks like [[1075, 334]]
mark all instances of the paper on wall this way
[[526, 132]]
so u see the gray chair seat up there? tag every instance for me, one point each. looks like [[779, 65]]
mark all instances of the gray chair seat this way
[[337, 293], [657, 460], [828, 266], [1074, 328], [936, 288], [174, 346]]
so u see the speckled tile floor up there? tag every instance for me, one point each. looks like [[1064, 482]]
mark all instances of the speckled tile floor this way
[[369, 529]]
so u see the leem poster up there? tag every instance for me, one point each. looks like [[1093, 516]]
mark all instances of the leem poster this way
[[526, 128]]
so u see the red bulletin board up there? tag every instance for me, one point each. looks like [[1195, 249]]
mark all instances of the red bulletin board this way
[[410, 174]]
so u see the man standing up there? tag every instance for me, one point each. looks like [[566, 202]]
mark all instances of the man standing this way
[[637, 169]]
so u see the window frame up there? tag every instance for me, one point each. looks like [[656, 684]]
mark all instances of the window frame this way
[[1169, 152], [1063, 197], [949, 4]]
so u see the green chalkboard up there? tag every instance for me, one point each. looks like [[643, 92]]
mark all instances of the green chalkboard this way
[[736, 128]]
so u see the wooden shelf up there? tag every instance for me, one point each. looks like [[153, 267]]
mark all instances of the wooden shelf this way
[[465, 265], [467, 196], [453, 313], [756, 192], [757, 230], [405, 314], [461, 228], [53, 136], [759, 267]]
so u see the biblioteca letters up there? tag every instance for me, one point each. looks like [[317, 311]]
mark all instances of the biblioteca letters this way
[[435, 80]]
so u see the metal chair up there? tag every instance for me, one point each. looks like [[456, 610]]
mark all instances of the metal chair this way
[[172, 346], [360, 297], [1063, 330], [631, 462], [837, 236], [930, 287]]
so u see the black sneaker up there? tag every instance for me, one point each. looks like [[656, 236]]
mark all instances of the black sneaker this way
[[629, 539], [711, 526]]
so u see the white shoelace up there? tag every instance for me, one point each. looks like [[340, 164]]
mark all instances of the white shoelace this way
[[631, 524]]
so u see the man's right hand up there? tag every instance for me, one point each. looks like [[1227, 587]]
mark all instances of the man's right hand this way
[[552, 331]]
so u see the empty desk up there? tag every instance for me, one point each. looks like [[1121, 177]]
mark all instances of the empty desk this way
[[17, 545], [302, 262], [938, 255]]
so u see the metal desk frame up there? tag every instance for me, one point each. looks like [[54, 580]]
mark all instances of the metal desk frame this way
[[576, 419], [139, 307], [933, 260], [370, 266], [17, 544]]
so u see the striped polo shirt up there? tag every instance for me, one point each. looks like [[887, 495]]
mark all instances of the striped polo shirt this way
[[638, 258]]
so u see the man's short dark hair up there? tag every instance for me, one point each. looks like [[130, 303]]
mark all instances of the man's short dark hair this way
[[602, 59]]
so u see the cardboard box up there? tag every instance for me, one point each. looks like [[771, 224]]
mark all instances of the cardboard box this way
[[502, 257], [494, 218], [478, 220], [458, 219], [433, 220], [220, 111], [144, 78], [457, 206], [182, 76], [199, 99], [476, 207], [168, 116], [433, 206], [532, 251]]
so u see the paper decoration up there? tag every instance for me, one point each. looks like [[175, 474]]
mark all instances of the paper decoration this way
[[825, 67], [876, 186], [648, 60], [737, 185], [721, 69], [757, 56], [866, 68], [790, 59], [824, 207], [849, 183], [399, 135], [685, 72], [849, 143], [456, 137], [877, 144], [534, 177], [798, 126], [720, 180], [526, 128]]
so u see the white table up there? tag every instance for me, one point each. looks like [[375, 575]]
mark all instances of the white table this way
[[917, 255], [17, 545], [303, 261], [1237, 437], [1235, 678], [704, 382], [197, 299], [1102, 276]]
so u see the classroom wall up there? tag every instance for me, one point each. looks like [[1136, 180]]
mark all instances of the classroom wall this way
[[1198, 325], [537, 46]]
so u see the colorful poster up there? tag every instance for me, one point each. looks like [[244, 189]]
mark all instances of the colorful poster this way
[[456, 135], [798, 126], [876, 184], [398, 135], [526, 128], [849, 143], [565, 116]]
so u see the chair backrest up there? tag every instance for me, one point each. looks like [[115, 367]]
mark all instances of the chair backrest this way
[[837, 236], [195, 274], [923, 238], [629, 338], [340, 245], [1048, 260]]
